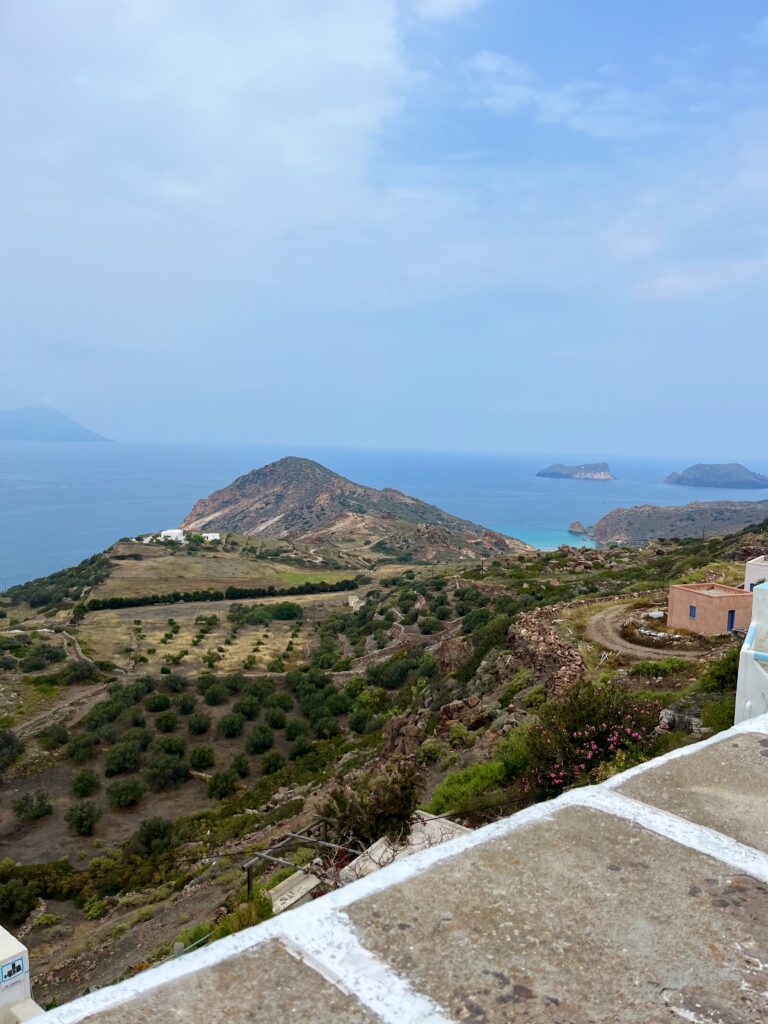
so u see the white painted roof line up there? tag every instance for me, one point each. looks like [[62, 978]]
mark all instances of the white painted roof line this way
[[687, 833], [330, 946]]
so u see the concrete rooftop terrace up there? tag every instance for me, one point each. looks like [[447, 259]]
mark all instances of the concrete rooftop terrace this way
[[638, 901]]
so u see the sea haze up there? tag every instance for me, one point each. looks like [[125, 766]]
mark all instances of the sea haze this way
[[60, 503]]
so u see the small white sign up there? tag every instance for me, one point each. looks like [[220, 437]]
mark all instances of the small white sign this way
[[11, 971]]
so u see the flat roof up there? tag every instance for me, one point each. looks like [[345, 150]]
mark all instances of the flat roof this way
[[711, 589], [643, 898]]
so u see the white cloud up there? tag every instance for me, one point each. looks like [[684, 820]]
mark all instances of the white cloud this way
[[445, 10], [591, 107]]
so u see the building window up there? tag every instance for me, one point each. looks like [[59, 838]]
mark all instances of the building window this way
[[692, 612]]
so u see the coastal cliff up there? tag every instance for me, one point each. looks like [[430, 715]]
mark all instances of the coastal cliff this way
[[645, 523]]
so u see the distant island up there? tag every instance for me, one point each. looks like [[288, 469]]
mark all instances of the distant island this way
[[730, 474], [586, 471], [700, 519], [42, 424]]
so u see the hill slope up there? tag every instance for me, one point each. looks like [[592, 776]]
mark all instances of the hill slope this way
[[731, 474], [41, 424], [699, 519], [296, 497]]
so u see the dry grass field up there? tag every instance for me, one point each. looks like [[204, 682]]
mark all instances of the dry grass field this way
[[153, 569]]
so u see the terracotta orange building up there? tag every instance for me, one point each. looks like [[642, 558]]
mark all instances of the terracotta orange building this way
[[709, 608]]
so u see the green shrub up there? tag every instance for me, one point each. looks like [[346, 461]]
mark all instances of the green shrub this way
[[46, 921], [246, 916], [157, 702], [165, 771], [81, 748], [535, 698], [301, 748], [174, 745], [153, 837], [378, 804], [185, 703], [248, 707], [222, 784], [460, 791], [662, 668], [272, 762], [281, 699], [722, 675], [583, 728], [259, 740], [81, 818], [216, 694], [124, 758], [17, 899], [10, 747], [232, 725], [53, 737], [275, 718], [166, 721], [85, 783], [201, 758], [241, 765], [198, 723], [125, 793], [296, 727], [32, 806], [718, 714]]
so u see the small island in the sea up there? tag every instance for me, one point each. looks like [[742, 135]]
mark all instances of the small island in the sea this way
[[586, 471], [42, 424], [730, 474]]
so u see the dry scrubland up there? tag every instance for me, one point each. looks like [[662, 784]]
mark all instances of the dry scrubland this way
[[428, 666]]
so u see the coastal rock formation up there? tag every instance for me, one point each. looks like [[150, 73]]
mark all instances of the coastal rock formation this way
[[578, 529], [537, 646], [645, 523], [586, 471], [299, 498], [731, 474]]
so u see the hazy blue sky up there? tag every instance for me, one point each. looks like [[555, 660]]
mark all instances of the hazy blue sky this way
[[493, 224]]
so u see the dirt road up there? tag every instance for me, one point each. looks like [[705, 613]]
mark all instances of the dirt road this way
[[603, 628]]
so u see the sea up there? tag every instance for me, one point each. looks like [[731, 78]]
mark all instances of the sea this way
[[62, 502]]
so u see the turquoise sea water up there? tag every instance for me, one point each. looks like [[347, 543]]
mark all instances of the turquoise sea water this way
[[60, 503]]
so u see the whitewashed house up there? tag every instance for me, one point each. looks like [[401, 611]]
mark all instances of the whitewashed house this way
[[752, 688], [756, 572], [177, 535], [211, 536]]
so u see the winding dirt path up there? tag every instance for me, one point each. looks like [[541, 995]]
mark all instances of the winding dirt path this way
[[603, 628]]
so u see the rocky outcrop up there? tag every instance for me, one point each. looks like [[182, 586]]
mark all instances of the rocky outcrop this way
[[586, 471], [534, 644], [451, 653], [645, 523], [578, 528]]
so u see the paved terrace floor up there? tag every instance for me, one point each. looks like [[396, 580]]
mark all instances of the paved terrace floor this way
[[639, 901]]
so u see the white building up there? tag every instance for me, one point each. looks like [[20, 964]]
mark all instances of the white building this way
[[752, 689], [211, 536], [177, 535], [756, 572]]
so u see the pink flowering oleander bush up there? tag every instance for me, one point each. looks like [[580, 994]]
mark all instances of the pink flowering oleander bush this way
[[586, 727]]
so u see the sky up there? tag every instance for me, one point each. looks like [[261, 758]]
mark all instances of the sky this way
[[502, 225]]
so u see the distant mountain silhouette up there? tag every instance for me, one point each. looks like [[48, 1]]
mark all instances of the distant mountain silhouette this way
[[42, 424]]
